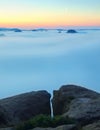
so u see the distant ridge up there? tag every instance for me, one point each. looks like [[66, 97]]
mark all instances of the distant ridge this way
[[11, 29]]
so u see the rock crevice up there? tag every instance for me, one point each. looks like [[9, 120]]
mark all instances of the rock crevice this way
[[75, 102]]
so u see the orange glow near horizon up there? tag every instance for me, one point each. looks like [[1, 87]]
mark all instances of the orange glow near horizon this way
[[49, 24], [49, 20], [32, 14]]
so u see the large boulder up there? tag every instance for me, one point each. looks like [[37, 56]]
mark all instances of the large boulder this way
[[76, 102], [67, 93], [84, 110], [25, 106]]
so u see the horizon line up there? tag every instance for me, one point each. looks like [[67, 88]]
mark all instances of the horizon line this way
[[58, 27]]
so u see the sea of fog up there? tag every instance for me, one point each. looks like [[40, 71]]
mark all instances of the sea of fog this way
[[45, 60]]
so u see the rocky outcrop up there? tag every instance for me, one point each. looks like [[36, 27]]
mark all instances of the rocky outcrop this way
[[71, 31], [84, 110], [66, 94], [77, 102], [25, 106], [17, 30], [63, 127]]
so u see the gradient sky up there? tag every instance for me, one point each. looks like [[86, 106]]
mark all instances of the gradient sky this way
[[49, 13]]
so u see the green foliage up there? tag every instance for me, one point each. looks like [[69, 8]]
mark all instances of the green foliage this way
[[44, 121]]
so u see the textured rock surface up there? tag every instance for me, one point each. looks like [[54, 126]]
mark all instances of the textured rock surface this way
[[84, 110], [93, 126], [62, 98], [63, 127], [25, 106], [73, 101], [78, 103]]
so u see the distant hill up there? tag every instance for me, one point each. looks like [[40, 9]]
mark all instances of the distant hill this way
[[11, 29]]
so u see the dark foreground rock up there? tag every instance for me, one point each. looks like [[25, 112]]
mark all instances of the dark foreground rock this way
[[25, 106], [77, 102], [63, 97], [84, 110]]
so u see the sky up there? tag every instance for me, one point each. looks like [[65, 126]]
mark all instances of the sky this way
[[49, 13]]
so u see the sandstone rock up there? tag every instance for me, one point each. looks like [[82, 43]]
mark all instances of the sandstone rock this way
[[63, 127], [93, 126], [78, 103], [84, 110], [63, 97], [25, 106]]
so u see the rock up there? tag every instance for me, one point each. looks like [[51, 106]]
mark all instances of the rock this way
[[25, 106], [63, 97], [84, 110], [34, 30], [78, 103], [71, 31], [63, 127], [17, 30], [93, 126]]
